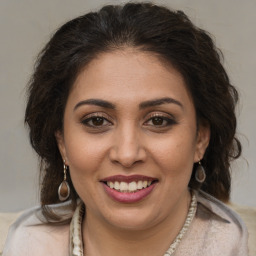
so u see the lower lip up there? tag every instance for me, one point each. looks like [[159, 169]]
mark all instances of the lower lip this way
[[132, 197]]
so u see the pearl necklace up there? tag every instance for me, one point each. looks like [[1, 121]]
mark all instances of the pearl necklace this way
[[76, 244]]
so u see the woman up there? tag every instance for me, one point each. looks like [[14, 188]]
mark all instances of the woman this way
[[132, 115]]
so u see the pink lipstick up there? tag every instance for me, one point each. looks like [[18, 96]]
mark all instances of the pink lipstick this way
[[130, 178], [128, 189]]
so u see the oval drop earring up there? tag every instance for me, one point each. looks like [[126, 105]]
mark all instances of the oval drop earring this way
[[200, 174], [64, 189]]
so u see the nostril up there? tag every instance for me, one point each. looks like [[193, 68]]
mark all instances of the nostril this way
[[126, 162], [127, 154]]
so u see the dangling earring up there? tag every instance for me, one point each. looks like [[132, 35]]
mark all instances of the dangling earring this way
[[64, 190], [200, 173]]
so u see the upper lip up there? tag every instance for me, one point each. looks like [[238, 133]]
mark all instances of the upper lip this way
[[128, 179]]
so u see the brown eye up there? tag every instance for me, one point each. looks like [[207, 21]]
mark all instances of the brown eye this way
[[160, 121], [157, 120], [97, 121]]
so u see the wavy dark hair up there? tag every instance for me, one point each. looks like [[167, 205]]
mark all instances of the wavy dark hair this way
[[147, 27]]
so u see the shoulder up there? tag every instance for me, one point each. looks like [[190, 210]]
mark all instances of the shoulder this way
[[30, 235], [224, 228], [219, 209]]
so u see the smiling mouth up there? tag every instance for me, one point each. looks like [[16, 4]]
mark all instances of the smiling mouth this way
[[131, 187], [129, 184]]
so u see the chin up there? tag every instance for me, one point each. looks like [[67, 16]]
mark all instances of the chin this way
[[132, 219]]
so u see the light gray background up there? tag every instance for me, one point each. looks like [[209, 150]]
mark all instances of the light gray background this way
[[25, 26]]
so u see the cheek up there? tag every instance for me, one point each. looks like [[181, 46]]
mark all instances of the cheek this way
[[175, 155], [85, 158], [84, 154]]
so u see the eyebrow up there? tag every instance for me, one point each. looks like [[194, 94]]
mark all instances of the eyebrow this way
[[97, 102], [157, 102], [143, 105]]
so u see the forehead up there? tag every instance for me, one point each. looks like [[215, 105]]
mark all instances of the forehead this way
[[128, 75]]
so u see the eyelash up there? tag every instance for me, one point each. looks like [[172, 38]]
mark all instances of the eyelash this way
[[87, 121], [169, 121], [93, 117]]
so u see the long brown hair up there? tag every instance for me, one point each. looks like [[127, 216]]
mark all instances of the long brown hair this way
[[166, 33]]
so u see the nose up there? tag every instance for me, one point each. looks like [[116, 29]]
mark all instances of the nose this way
[[127, 148]]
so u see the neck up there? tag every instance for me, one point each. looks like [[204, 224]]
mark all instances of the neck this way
[[101, 238]]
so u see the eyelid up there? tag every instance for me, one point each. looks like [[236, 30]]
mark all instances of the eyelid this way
[[159, 114], [97, 114], [169, 118]]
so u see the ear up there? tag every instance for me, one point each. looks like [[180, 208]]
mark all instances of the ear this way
[[202, 141], [61, 145]]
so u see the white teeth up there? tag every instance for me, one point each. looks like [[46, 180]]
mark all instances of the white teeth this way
[[129, 187], [123, 186], [132, 186], [139, 185], [111, 184], [116, 185]]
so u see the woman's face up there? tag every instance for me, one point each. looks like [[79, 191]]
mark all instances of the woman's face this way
[[130, 139]]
